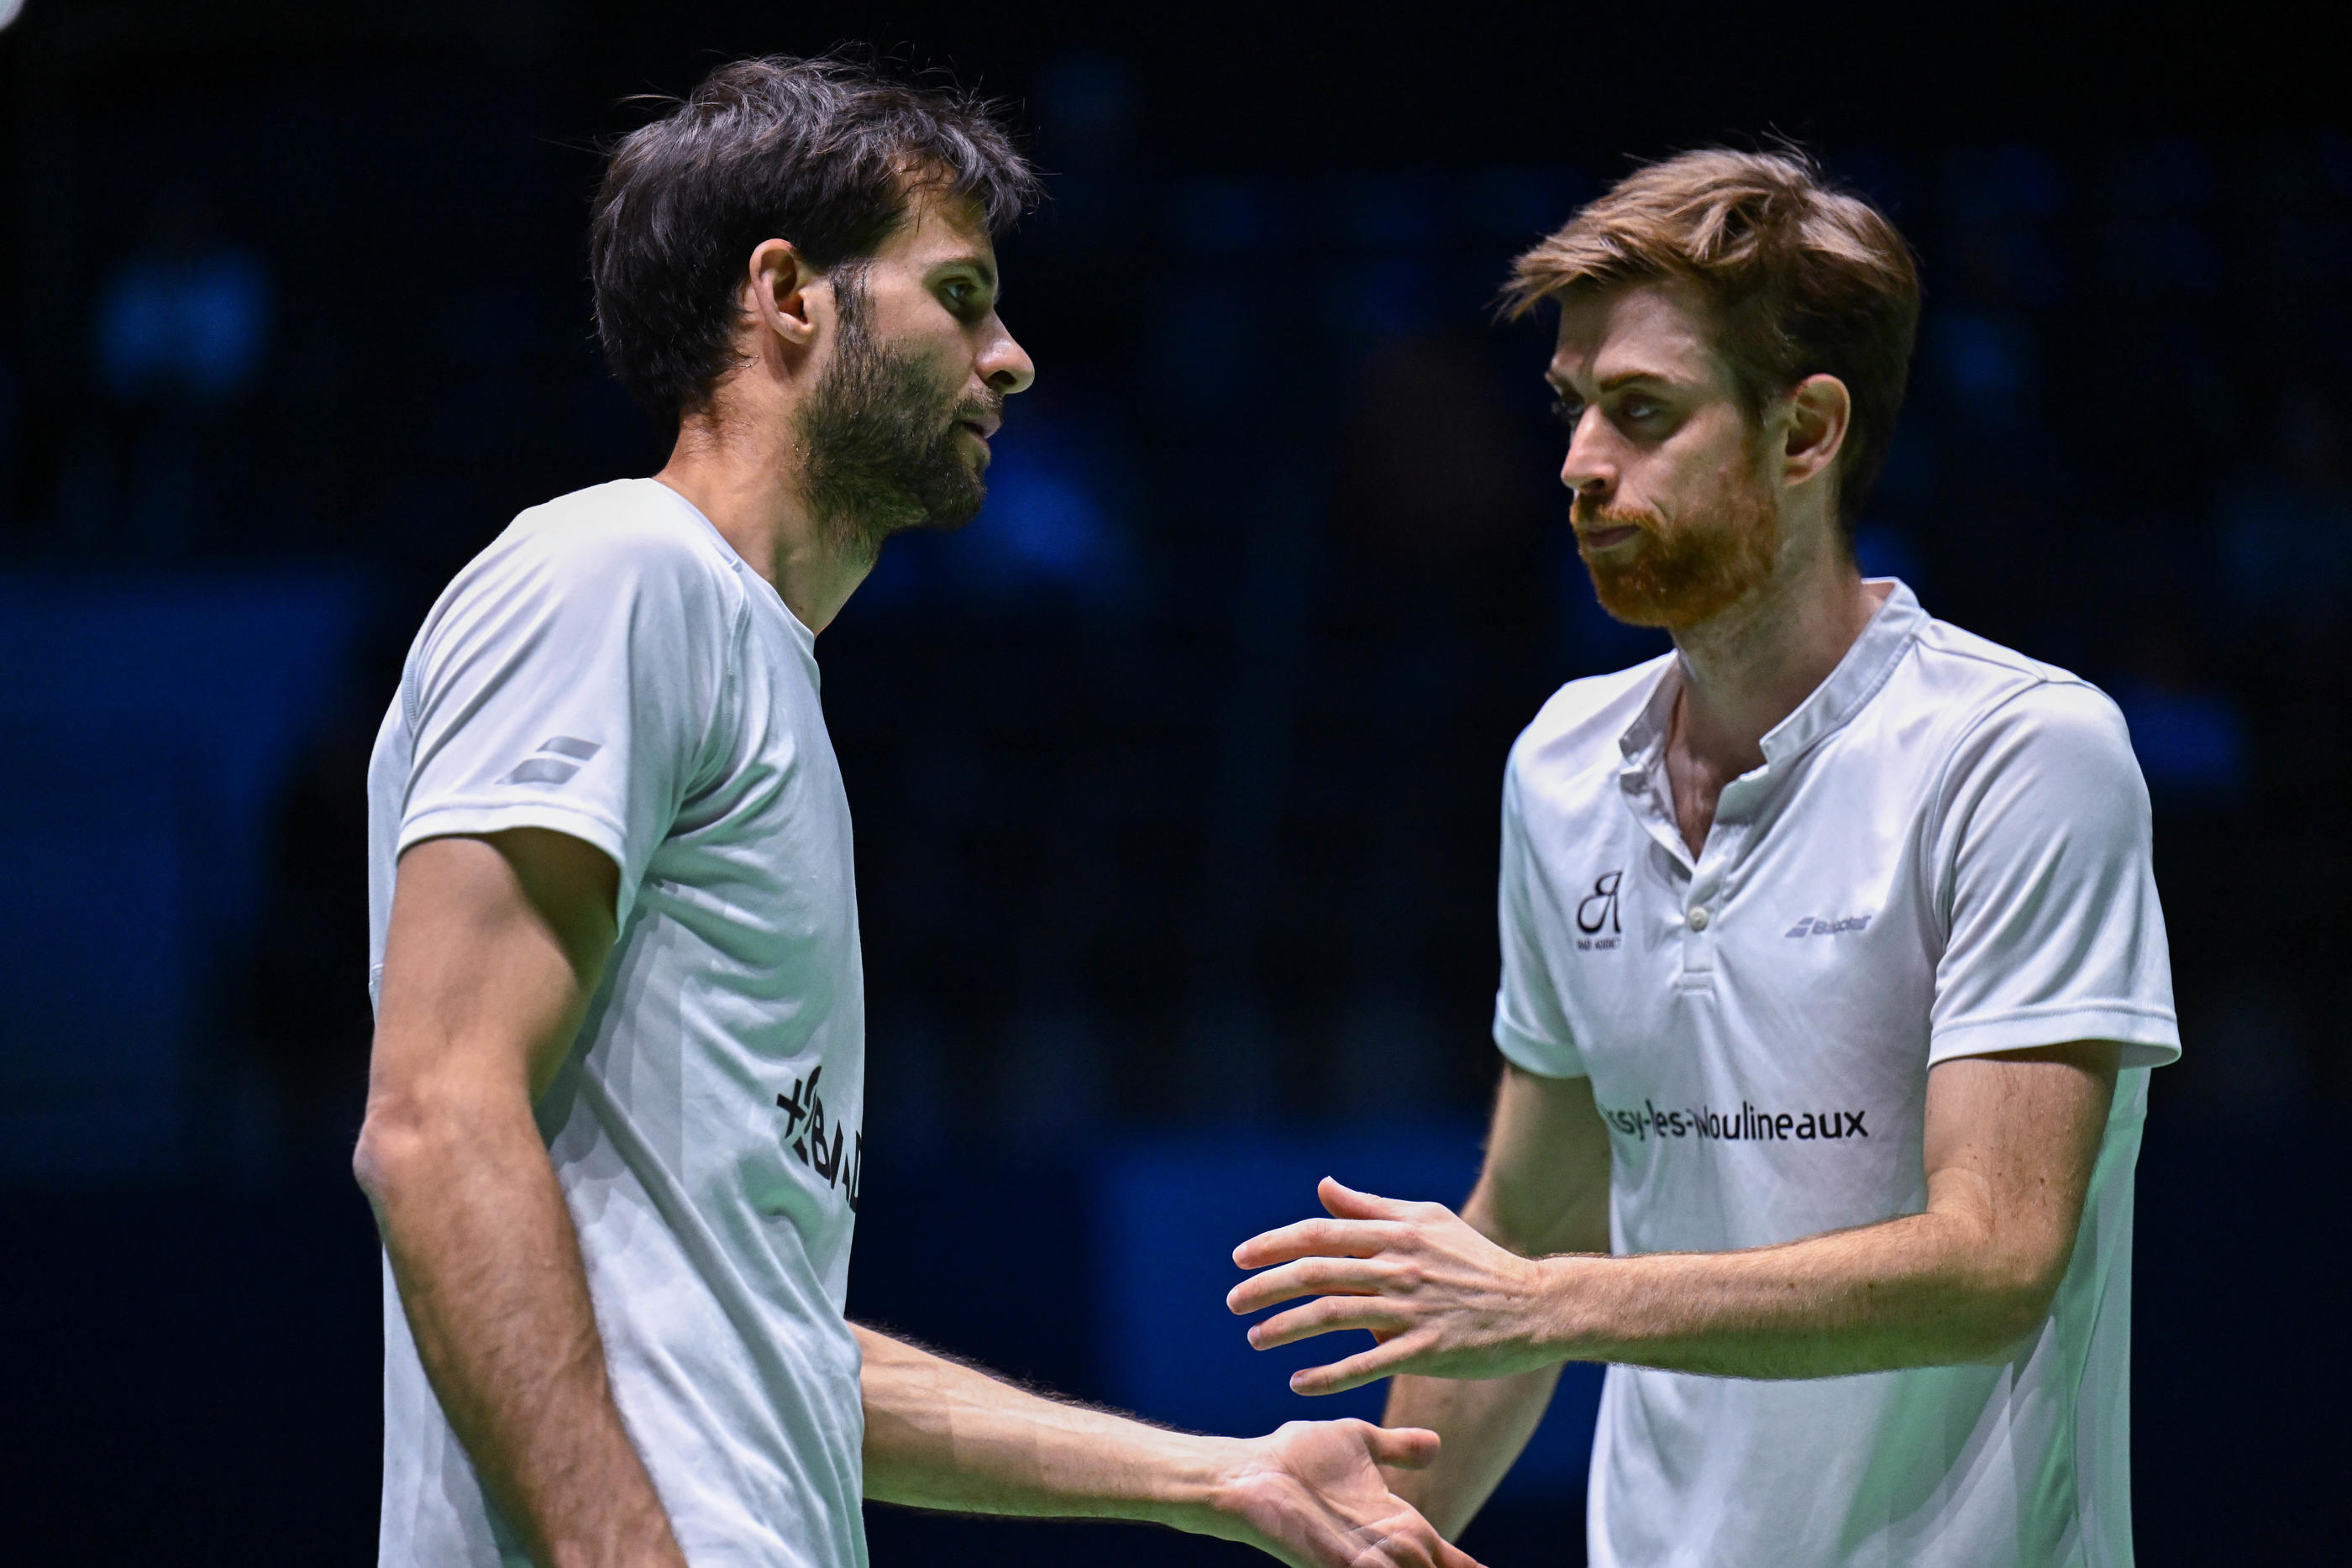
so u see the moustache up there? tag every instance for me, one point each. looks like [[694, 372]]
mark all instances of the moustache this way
[[990, 408]]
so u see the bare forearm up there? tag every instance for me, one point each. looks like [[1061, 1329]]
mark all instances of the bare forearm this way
[[939, 1435], [489, 1269], [1485, 1424], [1914, 1292]]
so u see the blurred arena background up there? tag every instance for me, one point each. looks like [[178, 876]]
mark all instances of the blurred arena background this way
[[1176, 774]]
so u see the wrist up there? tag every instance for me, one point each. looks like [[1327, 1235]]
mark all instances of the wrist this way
[[1194, 1483], [1569, 1321]]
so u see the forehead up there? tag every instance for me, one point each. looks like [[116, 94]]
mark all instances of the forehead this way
[[1663, 328], [938, 228]]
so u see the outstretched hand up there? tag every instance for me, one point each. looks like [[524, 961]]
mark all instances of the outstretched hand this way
[[1439, 1298], [1311, 1494]]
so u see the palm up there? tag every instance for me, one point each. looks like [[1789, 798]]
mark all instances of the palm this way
[[1314, 1498]]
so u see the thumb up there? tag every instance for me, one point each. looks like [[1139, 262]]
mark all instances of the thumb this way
[[1344, 1202], [1402, 1447]]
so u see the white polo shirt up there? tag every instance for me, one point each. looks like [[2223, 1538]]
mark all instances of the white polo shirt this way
[[1945, 854]]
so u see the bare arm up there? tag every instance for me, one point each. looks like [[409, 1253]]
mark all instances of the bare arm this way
[[942, 1435], [495, 947], [1544, 1190], [2011, 1143]]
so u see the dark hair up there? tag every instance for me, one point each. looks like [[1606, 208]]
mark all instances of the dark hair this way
[[1805, 279], [827, 152]]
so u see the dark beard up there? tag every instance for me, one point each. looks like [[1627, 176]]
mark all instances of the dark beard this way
[[1683, 574], [881, 446]]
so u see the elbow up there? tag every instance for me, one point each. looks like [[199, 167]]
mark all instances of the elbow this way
[[2011, 1324], [387, 1149], [400, 1137], [2011, 1307]]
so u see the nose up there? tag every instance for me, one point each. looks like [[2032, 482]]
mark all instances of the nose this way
[[1588, 471], [1005, 365]]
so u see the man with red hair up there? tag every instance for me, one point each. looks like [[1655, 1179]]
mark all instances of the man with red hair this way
[[1833, 971]]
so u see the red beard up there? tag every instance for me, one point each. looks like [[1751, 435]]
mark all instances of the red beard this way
[[1680, 574]]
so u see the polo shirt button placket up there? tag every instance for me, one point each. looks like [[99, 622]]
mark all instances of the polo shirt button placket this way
[[1698, 949]]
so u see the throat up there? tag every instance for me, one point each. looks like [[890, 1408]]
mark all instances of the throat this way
[[1695, 792], [1697, 773]]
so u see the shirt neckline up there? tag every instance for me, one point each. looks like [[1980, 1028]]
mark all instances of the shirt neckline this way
[[742, 568], [1825, 710]]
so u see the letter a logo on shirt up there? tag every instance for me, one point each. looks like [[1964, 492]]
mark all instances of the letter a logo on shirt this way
[[1601, 908]]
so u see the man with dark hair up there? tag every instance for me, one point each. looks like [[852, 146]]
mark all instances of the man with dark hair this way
[[1833, 972], [614, 1135]]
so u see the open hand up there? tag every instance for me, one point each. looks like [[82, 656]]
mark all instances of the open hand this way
[[1439, 1298], [1311, 1494]]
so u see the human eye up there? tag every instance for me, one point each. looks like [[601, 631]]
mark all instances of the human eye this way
[[1642, 413], [965, 296], [1567, 410]]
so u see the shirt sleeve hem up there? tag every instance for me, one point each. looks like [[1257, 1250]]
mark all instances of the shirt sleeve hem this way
[[497, 817], [1531, 1054], [2149, 1037]]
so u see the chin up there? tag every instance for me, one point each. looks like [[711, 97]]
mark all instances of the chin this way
[[1671, 609]]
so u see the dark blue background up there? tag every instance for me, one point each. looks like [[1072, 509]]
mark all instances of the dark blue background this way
[[1175, 775]]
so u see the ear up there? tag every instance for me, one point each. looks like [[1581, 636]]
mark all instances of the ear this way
[[1819, 412], [775, 292]]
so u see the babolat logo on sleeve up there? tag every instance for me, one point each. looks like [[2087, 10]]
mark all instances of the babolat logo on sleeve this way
[[549, 765], [1809, 926]]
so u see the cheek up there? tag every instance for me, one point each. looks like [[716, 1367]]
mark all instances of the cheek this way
[[1694, 474]]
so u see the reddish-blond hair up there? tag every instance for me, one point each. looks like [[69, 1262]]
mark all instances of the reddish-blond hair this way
[[1804, 278]]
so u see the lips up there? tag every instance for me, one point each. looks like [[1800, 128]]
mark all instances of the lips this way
[[1602, 538]]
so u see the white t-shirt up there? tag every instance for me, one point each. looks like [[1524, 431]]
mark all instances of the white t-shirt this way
[[610, 669], [1945, 854]]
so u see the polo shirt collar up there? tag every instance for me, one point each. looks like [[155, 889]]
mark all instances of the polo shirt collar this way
[[1858, 675], [1857, 679]]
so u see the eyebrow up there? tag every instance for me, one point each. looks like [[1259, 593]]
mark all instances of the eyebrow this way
[[1622, 378]]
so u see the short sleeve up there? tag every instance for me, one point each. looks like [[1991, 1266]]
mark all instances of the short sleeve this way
[[568, 680], [2048, 888], [1530, 1026]]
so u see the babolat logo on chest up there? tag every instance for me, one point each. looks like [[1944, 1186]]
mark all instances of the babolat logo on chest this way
[[1596, 916], [1810, 926]]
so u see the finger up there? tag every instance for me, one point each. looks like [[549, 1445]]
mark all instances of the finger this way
[[1307, 1276], [1355, 1371], [1324, 1315], [1402, 1447], [1346, 1203], [1451, 1556], [1313, 1238]]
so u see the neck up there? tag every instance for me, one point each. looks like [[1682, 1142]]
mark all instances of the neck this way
[[745, 477], [1747, 669]]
